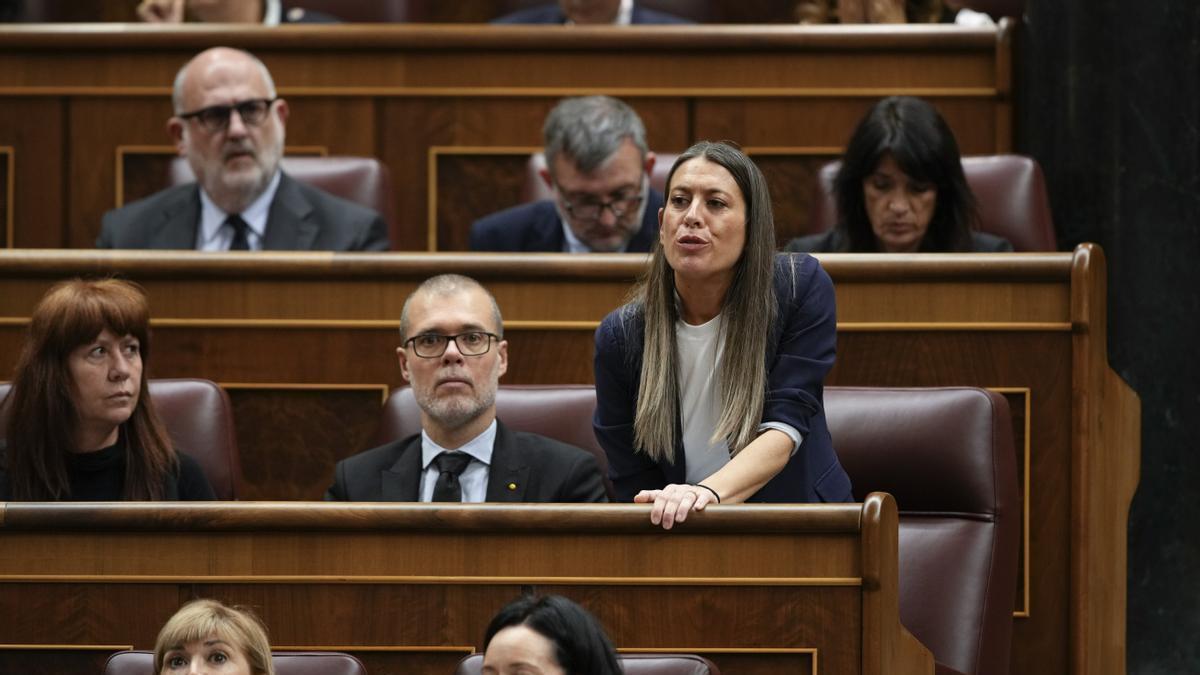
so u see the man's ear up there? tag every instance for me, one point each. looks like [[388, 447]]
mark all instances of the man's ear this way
[[282, 111], [502, 350], [402, 357], [175, 128], [546, 178], [651, 160]]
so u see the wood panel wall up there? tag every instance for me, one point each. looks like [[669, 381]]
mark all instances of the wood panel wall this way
[[410, 588], [454, 110], [305, 345]]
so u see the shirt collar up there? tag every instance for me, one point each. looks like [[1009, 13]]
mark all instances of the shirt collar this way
[[479, 448], [272, 13], [213, 237], [624, 14]]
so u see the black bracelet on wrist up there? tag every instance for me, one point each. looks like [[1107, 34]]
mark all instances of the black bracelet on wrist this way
[[702, 485]]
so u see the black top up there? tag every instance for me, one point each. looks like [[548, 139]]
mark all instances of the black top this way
[[834, 240], [100, 477]]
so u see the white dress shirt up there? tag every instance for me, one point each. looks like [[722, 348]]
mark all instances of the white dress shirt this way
[[474, 478], [215, 235]]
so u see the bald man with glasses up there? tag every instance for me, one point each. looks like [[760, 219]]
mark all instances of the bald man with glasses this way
[[452, 352], [229, 124]]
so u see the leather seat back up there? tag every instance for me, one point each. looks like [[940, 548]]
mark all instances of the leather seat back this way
[[947, 456], [199, 420], [631, 664], [286, 663]]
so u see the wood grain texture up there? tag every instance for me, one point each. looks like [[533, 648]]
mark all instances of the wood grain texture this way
[[397, 91], [32, 129], [471, 187], [1026, 322], [7, 176], [362, 560], [1106, 463], [318, 427]]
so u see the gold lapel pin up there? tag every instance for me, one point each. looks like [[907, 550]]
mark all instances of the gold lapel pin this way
[[512, 487]]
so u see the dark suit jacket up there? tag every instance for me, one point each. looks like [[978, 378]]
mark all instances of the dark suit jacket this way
[[548, 14], [543, 470], [301, 218], [800, 352], [536, 227], [831, 241]]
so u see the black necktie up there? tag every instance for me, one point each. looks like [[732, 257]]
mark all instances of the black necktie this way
[[449, 466], [241, 230]]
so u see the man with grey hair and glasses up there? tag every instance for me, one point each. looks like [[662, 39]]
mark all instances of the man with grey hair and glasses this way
[[229, 124], [452, 353], [598, 167]]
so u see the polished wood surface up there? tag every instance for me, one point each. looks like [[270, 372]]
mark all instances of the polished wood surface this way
[[305, 345], [809, 588], [454, 110]]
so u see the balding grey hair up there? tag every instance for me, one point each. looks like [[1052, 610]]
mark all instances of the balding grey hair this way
[[588, 130], [181, 79], [446, 284]]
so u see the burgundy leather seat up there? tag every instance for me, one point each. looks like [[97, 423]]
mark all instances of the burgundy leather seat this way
[[286, 663], [561, 412], [535, 189], [199, 419], [947, 456], [362, 180], [1010, 189], [631, 664]]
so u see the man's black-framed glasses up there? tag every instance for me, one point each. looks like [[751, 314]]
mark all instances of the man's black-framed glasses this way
[[216, 117], [590, 209], [432, 345]]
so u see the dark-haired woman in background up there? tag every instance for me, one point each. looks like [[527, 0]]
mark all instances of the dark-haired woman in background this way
[[709, 382], [901, 188], [549, 635], [81, 425]]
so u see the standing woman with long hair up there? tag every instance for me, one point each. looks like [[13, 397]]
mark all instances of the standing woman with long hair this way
[[81, 425], [709, 382]]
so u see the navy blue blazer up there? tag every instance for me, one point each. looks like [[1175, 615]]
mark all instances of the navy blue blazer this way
[[536, 227], [301, 218], [800, 352], [549, 14]]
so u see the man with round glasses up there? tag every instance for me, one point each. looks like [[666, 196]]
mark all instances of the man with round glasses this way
[[598, 167], [229, 124], [452, 353]]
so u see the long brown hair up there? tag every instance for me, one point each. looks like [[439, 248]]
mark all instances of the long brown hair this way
[[42, 415], [749, 311]]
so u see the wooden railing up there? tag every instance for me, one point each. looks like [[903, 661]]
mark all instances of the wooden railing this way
[[305, 345], [410, 588], [455, 110]]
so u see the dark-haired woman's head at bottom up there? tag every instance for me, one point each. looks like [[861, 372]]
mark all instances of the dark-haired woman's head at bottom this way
[[548, 635]]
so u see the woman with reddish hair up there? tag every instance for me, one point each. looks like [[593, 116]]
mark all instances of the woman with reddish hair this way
[[81, 425]]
